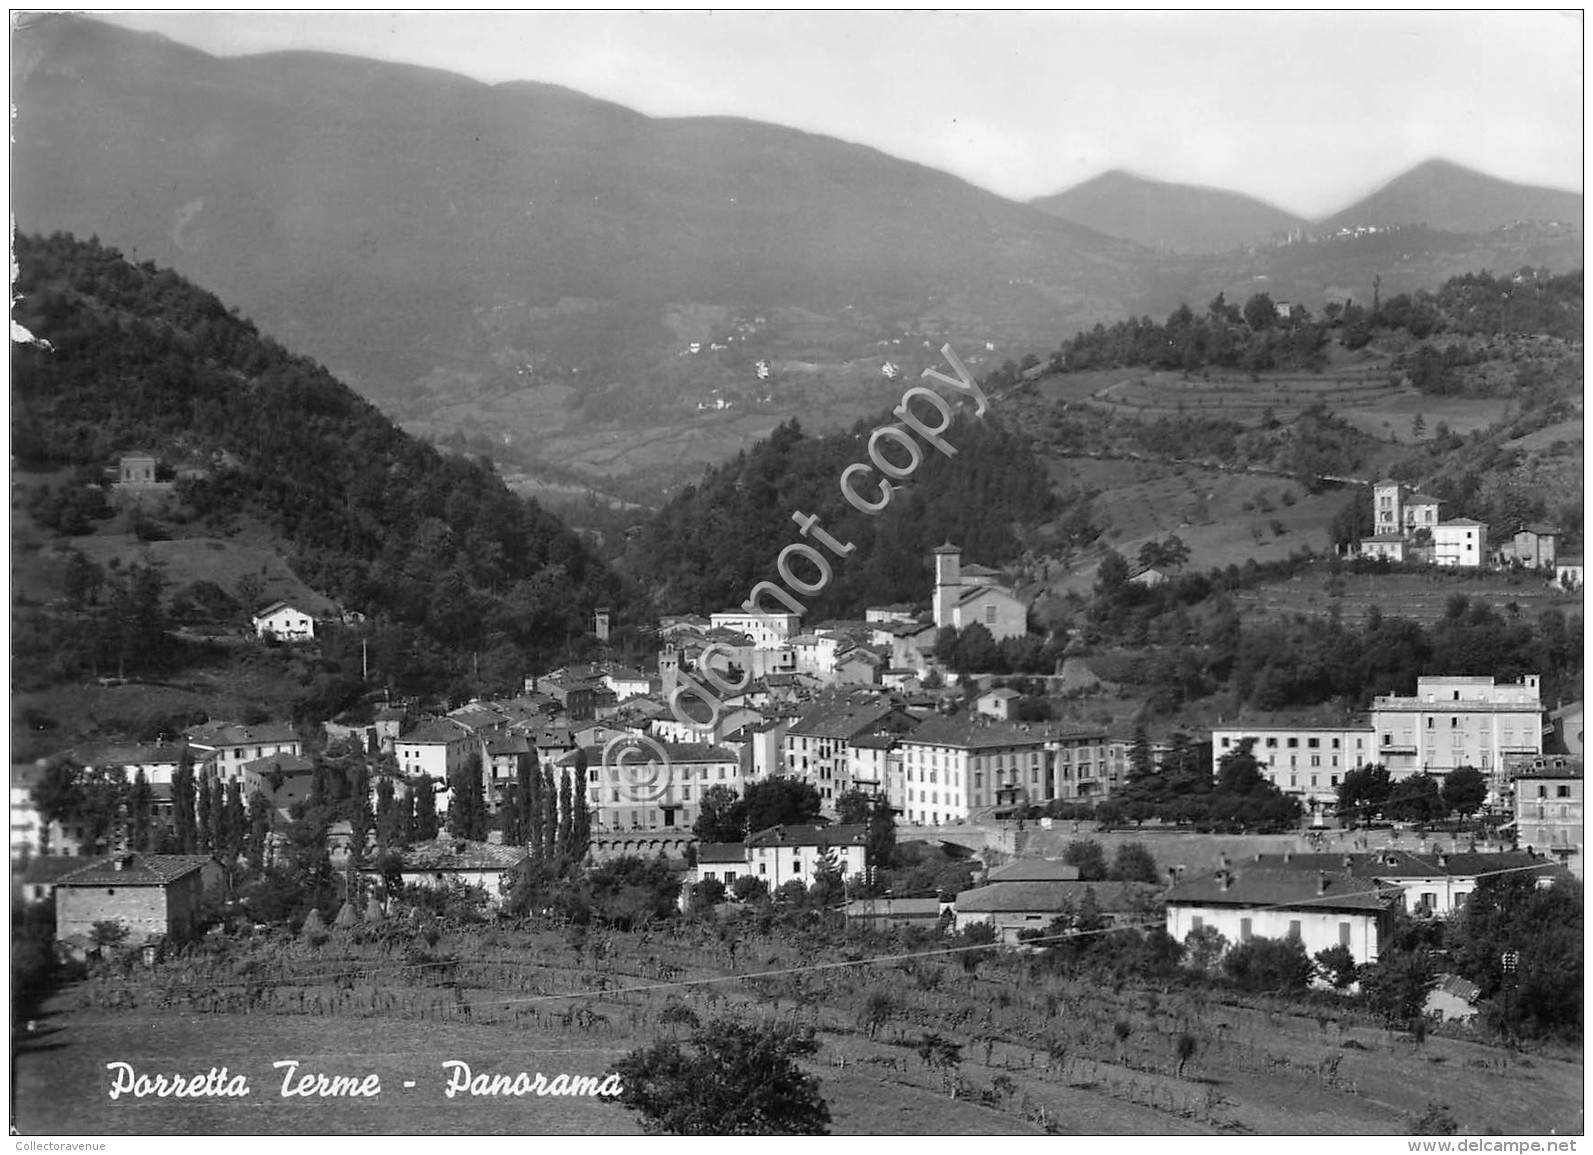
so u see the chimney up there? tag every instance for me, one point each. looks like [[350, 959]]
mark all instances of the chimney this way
[[1443, 862], [122, 862], [1222, 860], [1321, 882], [1288, 856], [1225, 878]]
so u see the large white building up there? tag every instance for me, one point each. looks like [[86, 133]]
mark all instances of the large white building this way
[[1319, 909], [1307, 762], [952, 767], [1457, 721]]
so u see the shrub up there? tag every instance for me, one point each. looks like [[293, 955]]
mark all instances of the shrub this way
[[1269, 964]]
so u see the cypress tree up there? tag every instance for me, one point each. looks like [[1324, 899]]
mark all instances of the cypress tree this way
[[218, 817], [532, 816], [566, 828], [425, 810], [202, 825], [360, 811], [387, 819], [237, 822], [140, 801], [581, 819], [550, 814], [259, 828]]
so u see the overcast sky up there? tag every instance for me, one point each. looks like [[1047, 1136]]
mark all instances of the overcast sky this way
[[1306, 110]]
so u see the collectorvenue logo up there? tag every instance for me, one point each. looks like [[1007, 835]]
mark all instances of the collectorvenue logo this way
[[640, 763]]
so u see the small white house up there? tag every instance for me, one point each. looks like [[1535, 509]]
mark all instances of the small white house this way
[[782, 853], [1319, 909], [284, 622]]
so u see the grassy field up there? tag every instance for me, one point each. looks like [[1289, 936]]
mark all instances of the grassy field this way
[[1419, 596], [1039, 1050]]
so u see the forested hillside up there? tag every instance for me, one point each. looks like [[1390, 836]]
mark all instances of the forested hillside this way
[[434, 549], [714, 541]]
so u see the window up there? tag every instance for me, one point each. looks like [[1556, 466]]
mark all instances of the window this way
[[763, 868], [1244, 930], [1294, 929], [990, 615], [1335, 743], [1196, 922], [1294, 743], [1316, 759], [1313, 743], [1562, 792], [1333, 780], [1272, 743], [1344, 934]]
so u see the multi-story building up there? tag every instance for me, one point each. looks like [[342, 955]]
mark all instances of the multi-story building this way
[[1081, 765], [1460, 542], [954, 767], [1457, 721], [225, 746], [1549, 809], [436, 747], [817, 745], [1308, 762], [647, 792], [767, 631]]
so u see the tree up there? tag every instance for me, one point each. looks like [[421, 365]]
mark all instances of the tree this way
[[881, 849], [1140, 760], [550, 814], [1204, 947], [581, 816], [1133, 863], [1363, 793], [56, 796], [730, 1079], [1087, 855], [1464, 790], [566, 827], [854, 807], [140, 803], [360, 818], [1260, 313], [235, 824], [780, 802], [467, 809], [1269, 964], [1415, 799], [1337, 965], [425, 810], [721, 816], [1396, 985], [259, 828], [203, 830], [1184, 1049]]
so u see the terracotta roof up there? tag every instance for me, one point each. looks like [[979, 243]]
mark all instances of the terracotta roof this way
[[843, 716], [52, 867], [234, 734], [721, 852], [137, 870], [1033, 870], [1051, 897], [1288, 889], [972, 732], [855, 835], [288, 764], [435, 731]]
